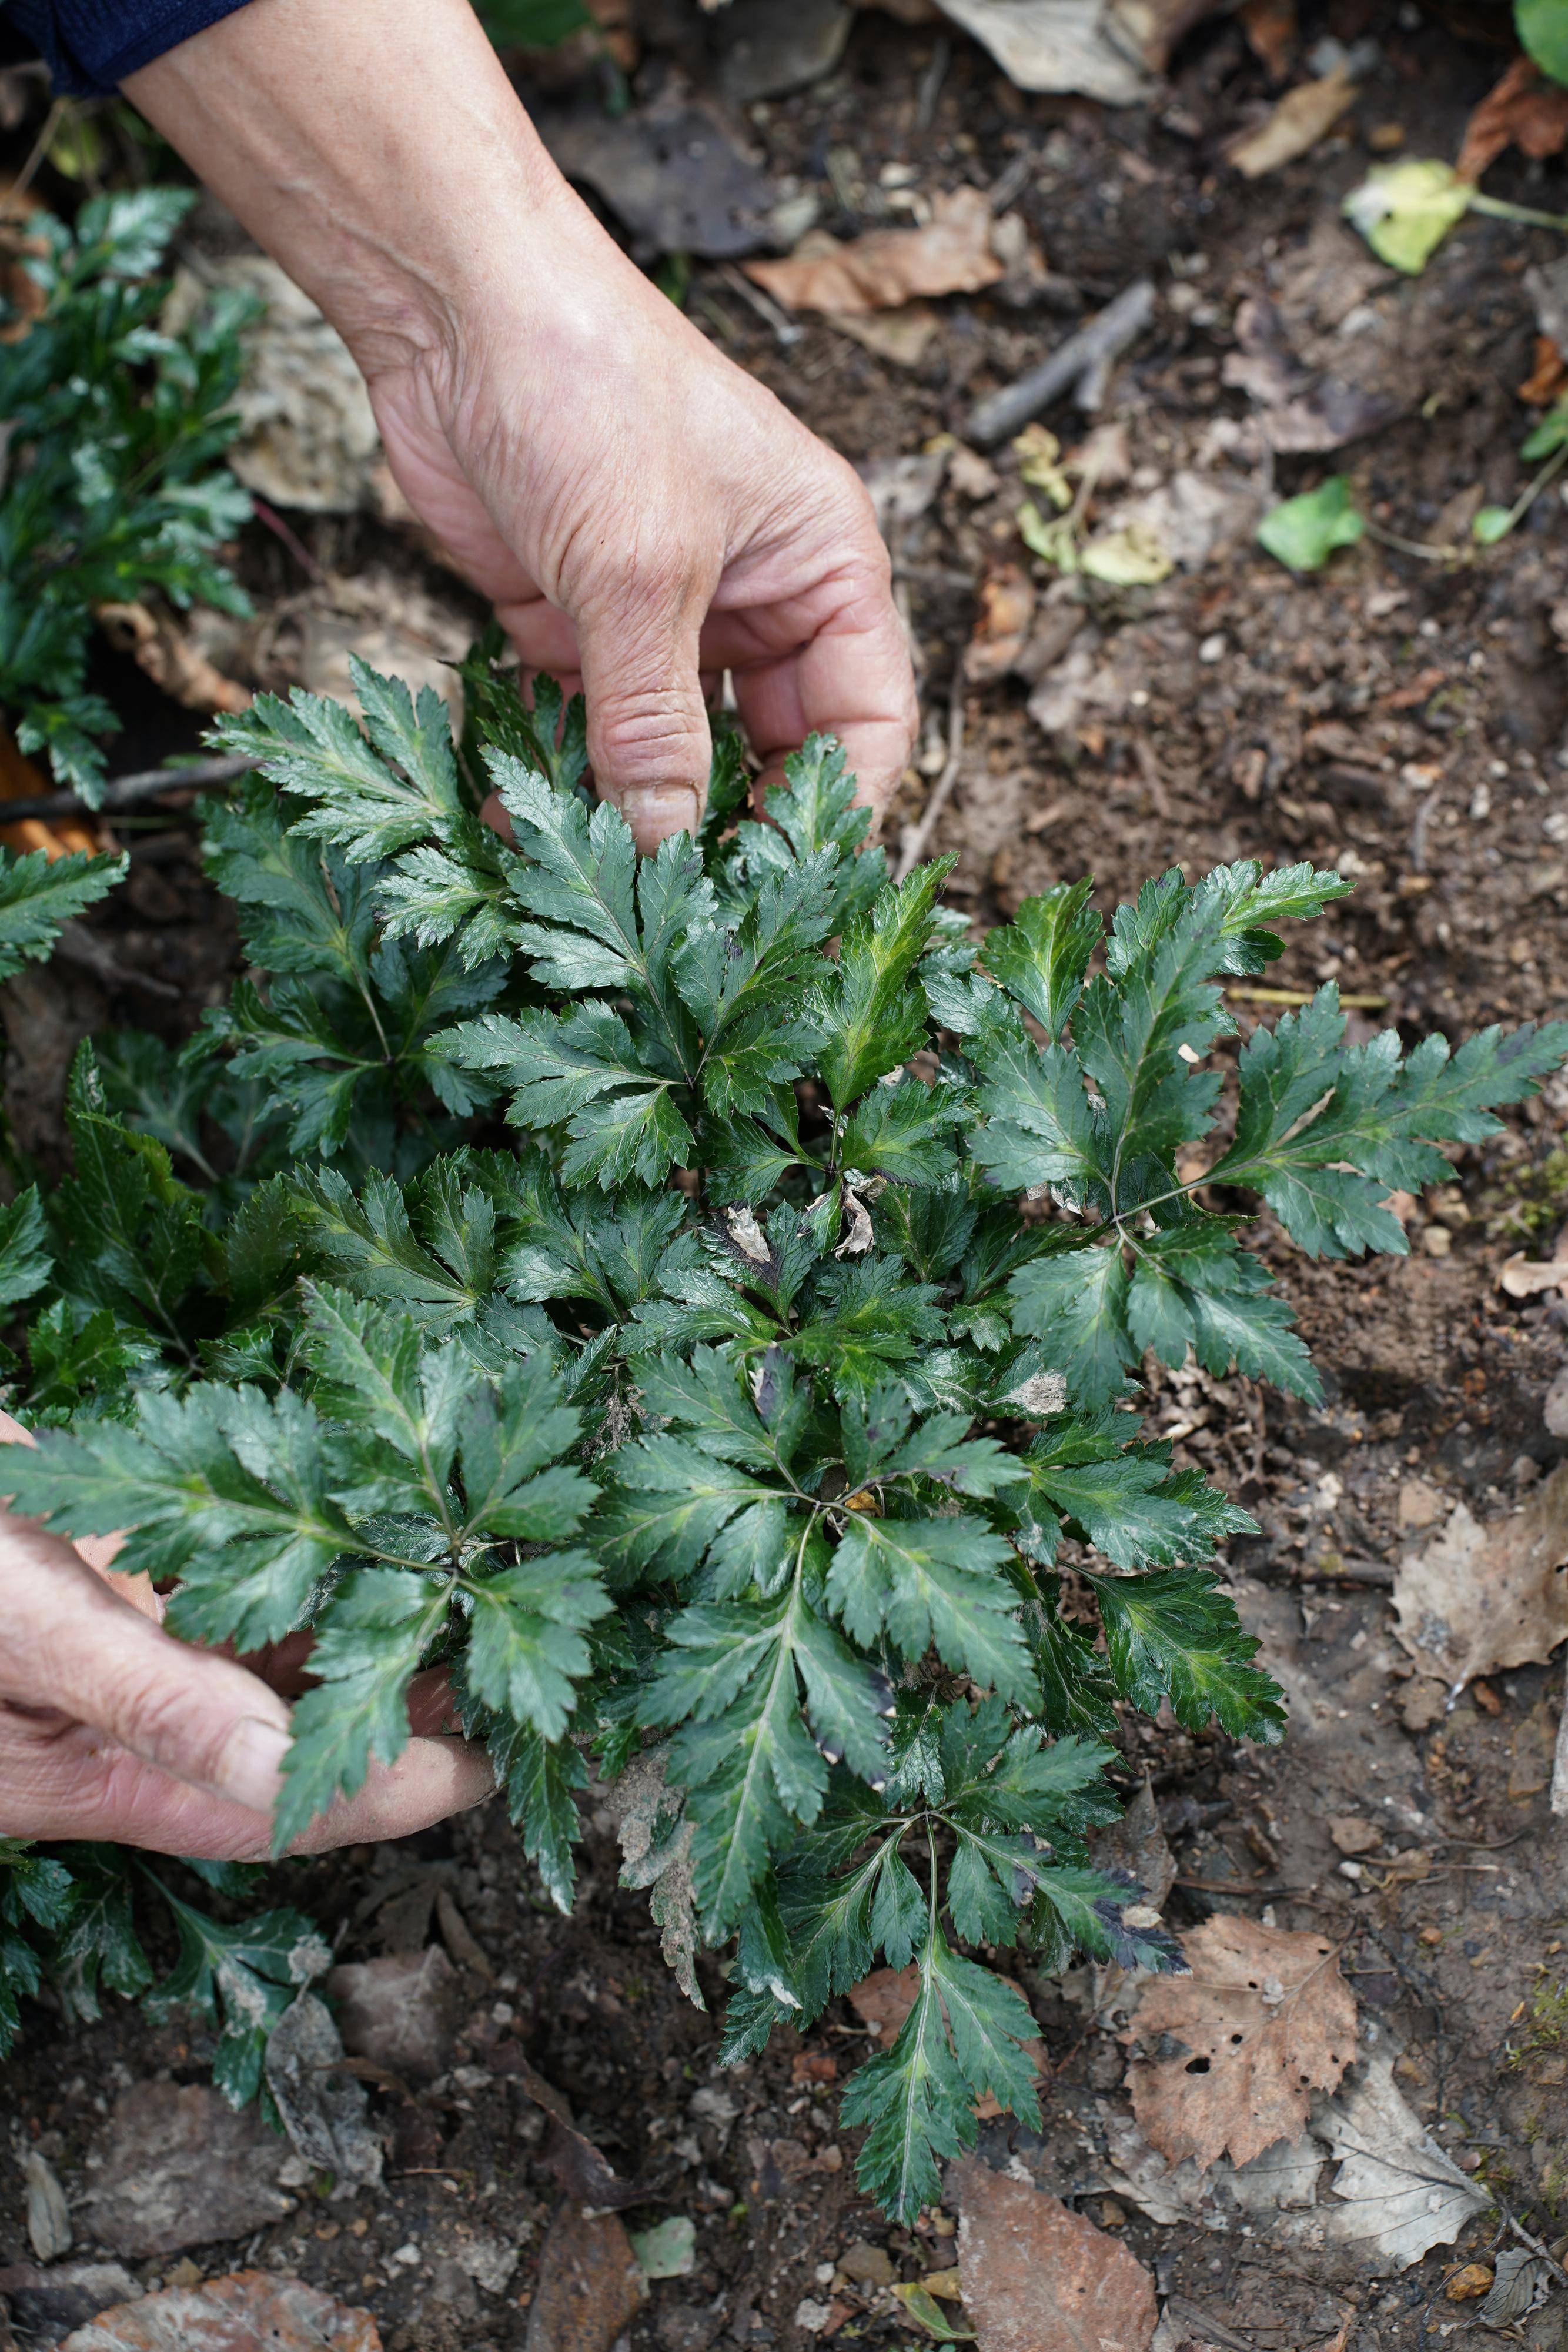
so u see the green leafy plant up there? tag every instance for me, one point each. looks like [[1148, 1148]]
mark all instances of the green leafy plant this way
[[1543, 30], [71, 1917], [1302, 532], [697, 1302], [115, 433], [1405, 210], [533, 24]]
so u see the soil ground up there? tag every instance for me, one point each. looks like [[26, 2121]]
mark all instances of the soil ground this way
[[1402, 719]]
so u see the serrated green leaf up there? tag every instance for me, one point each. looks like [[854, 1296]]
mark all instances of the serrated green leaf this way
[[1174, 1635]]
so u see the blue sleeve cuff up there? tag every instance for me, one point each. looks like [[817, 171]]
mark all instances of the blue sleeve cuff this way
[[89, 46]]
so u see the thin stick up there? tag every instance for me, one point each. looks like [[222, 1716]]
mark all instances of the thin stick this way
[[1105, 338], [125, 792], [917, 836], [41, 146], [787, 329]]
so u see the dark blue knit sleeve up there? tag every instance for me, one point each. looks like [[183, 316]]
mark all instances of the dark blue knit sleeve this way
[[89, 46]]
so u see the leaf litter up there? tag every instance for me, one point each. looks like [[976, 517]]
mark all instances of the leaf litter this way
[[1039, 2278], [1484, 1595], [1264, 2019], [238, 2314]]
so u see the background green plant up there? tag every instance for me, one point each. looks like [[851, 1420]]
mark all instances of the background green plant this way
[[695, 1301], [114, 433]]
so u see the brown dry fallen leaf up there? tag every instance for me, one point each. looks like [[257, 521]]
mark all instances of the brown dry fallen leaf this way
[[1299, 120], [1524, 110], [1002, 627], [1264, 2019], [1547, 376], [903, 337], [884, 2000], [1480, 1596], [589, 2286], [1272, 33], [237, 2314], [1524, 1277], [1037, 2278], [889, 267]]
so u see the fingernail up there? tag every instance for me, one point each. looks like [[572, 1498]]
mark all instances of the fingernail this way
[[666, 809], [250, 1767]]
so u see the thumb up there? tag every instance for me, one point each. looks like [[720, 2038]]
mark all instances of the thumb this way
[[75, 1645], [648, 740]]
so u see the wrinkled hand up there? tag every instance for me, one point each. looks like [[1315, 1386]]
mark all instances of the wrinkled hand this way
[[111, 1728], [567, 491], [639, 510]]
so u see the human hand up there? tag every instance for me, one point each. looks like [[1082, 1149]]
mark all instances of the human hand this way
[[111, 1728], [640, 512]]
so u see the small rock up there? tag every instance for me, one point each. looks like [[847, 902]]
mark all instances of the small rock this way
[[1468, 2283], [179, 2168], [811, 2316], [686, 2327], [769, 47], [451, 2286], [1423, 1703], [1437, 1240], [323, 2111], [1351, 1835], [1554, 1412], [488, 2262], [1420, 1504], [399, 2011], [866, 2264], [45, 2305]]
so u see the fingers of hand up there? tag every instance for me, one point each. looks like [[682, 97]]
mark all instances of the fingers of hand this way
[[853, 679], [64, 1780], [76, 1645], [648, 739]]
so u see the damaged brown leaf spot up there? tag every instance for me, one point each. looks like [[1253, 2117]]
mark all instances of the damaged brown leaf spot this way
[[1234, 2051], [1037, 2278]]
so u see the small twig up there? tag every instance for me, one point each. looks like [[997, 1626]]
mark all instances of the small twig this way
[[1360, 1004], [125, 792], [289, 537], [918, 835], [931, 82], [40, 148], [788, 331], [1419, 831], [1105, 338], [1559, 1770], [1533, 490], [1011, 182], [1242, 1886], [1423, 548], [1522, 2234]]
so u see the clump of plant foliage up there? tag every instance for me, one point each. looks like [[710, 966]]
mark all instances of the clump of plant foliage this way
[[694, 1301], [72, 1917], [111, 484]]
